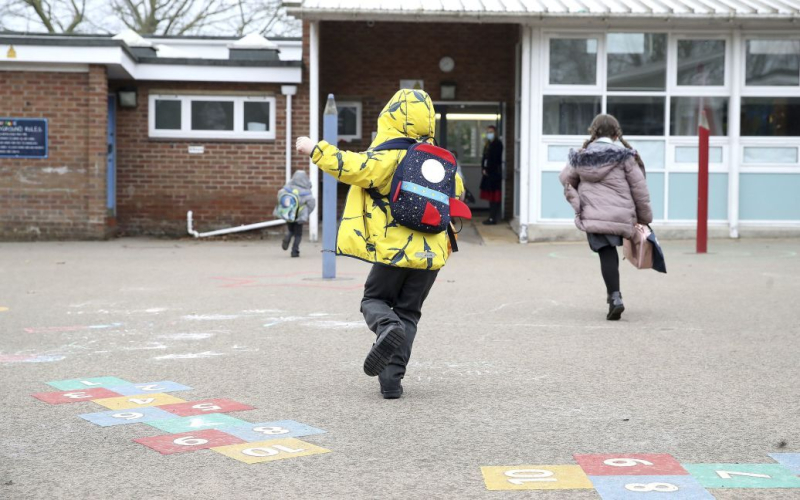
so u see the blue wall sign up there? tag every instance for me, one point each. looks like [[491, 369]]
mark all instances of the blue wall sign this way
[[23, 137]]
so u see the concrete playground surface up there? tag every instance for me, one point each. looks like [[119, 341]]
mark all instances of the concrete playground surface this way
[[514, 366]]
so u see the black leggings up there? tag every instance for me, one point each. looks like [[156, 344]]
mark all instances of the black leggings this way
[[609, 266]]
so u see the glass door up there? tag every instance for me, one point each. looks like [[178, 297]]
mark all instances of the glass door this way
[[461, 128]]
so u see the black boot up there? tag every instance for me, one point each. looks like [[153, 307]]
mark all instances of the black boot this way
[[392, 392], [385, 345], [615, 306], [285, 242]]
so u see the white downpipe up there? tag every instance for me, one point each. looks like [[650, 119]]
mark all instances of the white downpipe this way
[[735, 128], [288, 91], [238, 229], [525, 135], [313, 119]]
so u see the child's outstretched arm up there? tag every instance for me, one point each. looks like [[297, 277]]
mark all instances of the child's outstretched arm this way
[[357, 169]]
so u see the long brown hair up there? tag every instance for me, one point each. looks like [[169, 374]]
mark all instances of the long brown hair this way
[[608, 126]]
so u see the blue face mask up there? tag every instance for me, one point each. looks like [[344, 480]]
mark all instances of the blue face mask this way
[[490, 136]]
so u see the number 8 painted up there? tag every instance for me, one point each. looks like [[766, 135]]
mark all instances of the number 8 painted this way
[[271, 430], [660, 487]]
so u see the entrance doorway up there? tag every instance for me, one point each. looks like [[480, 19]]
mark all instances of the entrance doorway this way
[[461, 128]]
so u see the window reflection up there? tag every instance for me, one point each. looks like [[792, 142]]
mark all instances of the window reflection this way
[[637, 61]]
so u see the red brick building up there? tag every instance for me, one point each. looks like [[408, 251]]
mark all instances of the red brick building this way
[[141, 131]]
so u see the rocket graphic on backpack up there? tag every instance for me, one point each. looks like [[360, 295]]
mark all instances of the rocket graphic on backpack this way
[[423, 193]]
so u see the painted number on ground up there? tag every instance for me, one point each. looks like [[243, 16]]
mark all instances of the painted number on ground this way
[[272, 430], [190, 441], [267, 451], [535, 477], [627, 487], [117, 417]]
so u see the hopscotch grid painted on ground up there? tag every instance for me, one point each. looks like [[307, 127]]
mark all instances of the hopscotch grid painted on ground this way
[[191, 425], [632, 476]]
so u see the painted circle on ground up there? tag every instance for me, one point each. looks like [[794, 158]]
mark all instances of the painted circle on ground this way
[[433, 171]]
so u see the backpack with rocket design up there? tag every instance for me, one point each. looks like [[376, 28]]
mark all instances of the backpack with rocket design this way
[[423, 192]]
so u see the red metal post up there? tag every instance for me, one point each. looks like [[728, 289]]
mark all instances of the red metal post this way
[[703, 133]]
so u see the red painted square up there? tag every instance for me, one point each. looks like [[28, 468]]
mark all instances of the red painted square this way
[[204, 406], [632, 464], [188, 441], [76, 396]]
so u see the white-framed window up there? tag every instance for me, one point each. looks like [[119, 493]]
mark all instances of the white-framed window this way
[[349, 120], [182, 116]]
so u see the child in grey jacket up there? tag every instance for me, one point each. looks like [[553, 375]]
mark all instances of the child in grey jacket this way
[[300, 186]]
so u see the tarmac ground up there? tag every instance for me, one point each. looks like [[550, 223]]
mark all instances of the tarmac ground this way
[[514, 366]]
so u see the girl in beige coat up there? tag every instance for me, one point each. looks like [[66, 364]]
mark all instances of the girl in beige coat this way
[[605, 184]]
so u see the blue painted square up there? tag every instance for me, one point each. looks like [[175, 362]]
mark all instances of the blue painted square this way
[[271, 430], [789, 460], [636, 487], [149, 387], [132, 416]]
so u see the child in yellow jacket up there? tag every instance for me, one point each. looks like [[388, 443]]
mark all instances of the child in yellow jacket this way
[[405, 261]]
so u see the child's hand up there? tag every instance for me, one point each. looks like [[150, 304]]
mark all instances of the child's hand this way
[[304, 146]]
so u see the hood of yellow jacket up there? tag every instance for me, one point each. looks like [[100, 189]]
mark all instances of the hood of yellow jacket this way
[[409, 113]]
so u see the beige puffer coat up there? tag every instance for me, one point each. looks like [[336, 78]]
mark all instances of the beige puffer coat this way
[[607, 189]]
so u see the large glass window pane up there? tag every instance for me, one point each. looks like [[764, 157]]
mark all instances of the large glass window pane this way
[[348, 120], [256, 116], [651, 153], [771, 116], [638, 115], [770, 155], [685, 115], [559, 154], [701, 62], [573, 61], [637, 61], [212, 115], [691, 154], [773, 62], [168, 114], [569, 115]]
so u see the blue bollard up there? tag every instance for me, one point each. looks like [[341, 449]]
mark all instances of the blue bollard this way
[[330, 132]]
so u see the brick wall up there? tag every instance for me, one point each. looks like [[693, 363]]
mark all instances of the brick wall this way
[[64, 195], [366, 63], [231, 183]]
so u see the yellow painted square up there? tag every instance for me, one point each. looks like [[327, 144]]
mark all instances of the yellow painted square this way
[[267, 451], [536, 477], [139, 401]]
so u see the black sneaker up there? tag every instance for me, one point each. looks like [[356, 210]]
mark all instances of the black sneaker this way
[[615, 306], [285, 244], [385, 345], [393, 393], [295, 254]]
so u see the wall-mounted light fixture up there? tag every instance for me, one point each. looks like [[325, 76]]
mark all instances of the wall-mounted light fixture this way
[[127, 97]]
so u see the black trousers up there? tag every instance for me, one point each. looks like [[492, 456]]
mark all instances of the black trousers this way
[[393, 296], [609, 266], [494, 211], [294, 230]]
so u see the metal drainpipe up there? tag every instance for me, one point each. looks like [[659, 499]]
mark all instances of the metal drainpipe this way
[[289, 91]]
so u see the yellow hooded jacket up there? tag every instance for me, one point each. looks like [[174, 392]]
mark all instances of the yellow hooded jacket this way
[[367, 230]]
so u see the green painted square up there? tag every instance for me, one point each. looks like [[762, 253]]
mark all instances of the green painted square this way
[[197, 423], [743, 475], [87, 383]]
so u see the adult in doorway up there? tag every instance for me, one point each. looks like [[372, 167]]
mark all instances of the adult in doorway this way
[[492, 182]]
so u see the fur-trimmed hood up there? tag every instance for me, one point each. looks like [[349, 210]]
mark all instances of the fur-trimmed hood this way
[[598, 159]]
